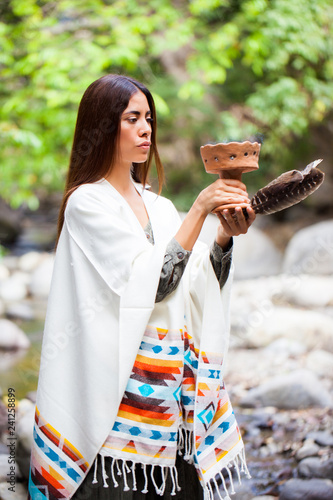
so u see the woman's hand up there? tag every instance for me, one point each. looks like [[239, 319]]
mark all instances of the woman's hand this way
[[222, 194], [233, 223]]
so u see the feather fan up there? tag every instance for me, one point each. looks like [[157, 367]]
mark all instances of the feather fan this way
[[288, 189]]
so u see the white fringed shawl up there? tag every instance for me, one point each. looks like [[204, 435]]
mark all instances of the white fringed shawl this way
[[102, 298]]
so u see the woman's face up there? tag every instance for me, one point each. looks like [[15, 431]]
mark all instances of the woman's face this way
[[135, 130]]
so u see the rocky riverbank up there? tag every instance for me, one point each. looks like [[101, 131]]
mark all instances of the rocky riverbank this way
[[279, 371]]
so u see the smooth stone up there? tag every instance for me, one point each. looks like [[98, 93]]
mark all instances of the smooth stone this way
[[244, 491], [14, 288], [287, 346], [321, 363], [247, 368], [311, 489], [264, 497], [310, 251], [10, 261], [4, 272], [254, 253], [11, 336], [296, 390], [20, 310], [323, 438], [316, 467], [29, 261], [19, 494], [41, 277], [309, 291], [309, 449], [313, 329]]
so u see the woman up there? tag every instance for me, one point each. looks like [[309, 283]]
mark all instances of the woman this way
[[137, 322]]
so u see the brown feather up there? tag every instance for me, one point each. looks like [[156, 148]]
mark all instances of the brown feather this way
[[287, 189]]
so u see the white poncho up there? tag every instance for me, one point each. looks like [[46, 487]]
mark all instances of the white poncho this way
[[101, 305]]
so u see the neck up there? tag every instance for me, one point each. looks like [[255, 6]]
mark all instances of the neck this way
[[120, 178]]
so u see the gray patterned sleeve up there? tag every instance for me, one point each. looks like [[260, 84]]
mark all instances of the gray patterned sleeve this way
[[221, 261], [175, 261]]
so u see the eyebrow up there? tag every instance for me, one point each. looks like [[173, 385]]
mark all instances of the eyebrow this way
[[137, 113]]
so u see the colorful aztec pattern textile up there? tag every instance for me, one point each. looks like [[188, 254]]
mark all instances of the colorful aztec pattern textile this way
[[175, 399], [149, 415], [56, 466], [168, 390]]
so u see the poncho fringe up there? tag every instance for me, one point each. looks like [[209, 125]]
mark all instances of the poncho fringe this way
[[123, 467]]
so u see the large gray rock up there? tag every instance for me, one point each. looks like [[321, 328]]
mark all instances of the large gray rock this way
[[10, 261], [296, 390], [20, 310], [323, 438], [4, 272], [260, 328], [312, 489], [316, 467], [15, 288], [264, 497], [29, 261], [309, 449], [11, 336], [308, 291], [310, 251], [321, 363], [41, 277], [254, 253], [248, 368]]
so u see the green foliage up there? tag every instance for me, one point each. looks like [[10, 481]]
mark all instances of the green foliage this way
[[218, 70]]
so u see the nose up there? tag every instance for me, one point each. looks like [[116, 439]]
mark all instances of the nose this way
[[145, 130]]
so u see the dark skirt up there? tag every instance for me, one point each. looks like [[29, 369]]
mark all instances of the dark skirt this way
[[188, 481]]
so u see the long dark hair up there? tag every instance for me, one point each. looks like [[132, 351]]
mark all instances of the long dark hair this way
[[97, 133]]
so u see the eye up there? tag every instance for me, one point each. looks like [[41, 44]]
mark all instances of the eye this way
[[132, 120], [150, 120]]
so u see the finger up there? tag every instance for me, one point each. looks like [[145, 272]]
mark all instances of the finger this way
[[231, 221], [227, 206], [241, 220], [238, 190], [235, 183], [251, 215]]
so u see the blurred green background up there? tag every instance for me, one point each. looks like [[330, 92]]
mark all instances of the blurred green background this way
[[219, 70]]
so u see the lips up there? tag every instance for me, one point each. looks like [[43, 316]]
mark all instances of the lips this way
[[144, 145]]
